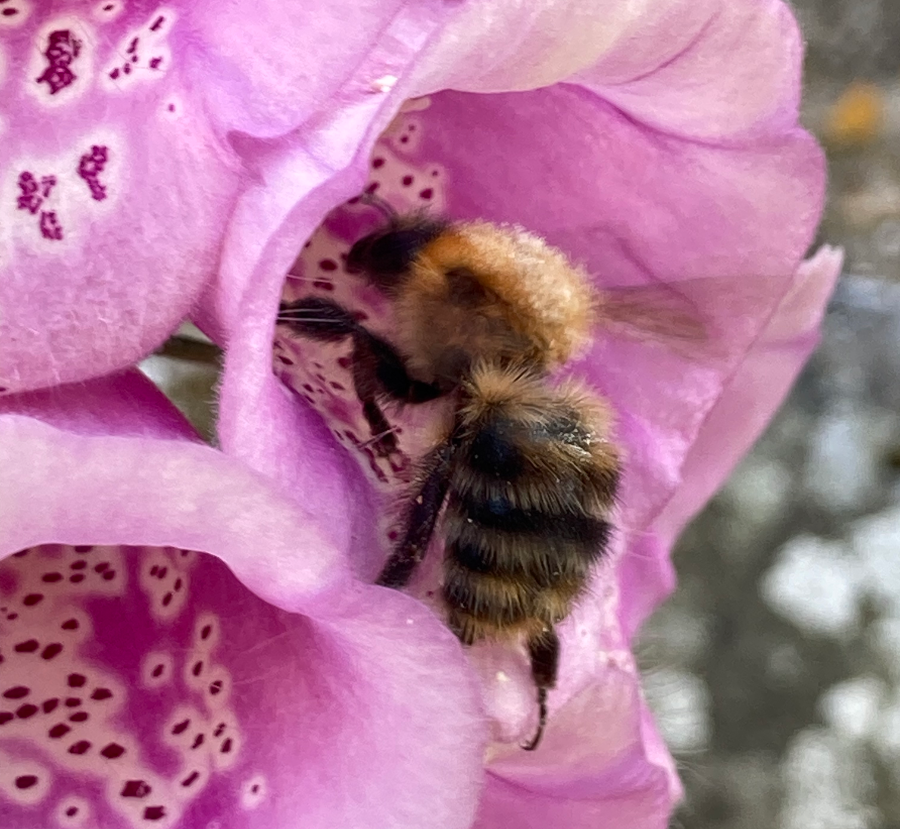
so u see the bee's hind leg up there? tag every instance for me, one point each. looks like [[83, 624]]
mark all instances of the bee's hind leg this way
[[544, 652]]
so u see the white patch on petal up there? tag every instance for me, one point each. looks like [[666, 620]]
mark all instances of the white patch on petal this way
[[23, 781], [14, 13], [51, 204], [142, 55], [254, 791], [157, 669], [164, 579], [61, 66], [107, 10], [384, 84], [72, 812]]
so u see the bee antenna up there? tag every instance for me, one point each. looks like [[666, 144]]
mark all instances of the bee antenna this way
[[380, 204]]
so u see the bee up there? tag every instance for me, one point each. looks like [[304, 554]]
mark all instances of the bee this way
[[525, 477]]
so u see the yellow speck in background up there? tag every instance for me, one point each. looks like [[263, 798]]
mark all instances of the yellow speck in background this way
[[856, 117]]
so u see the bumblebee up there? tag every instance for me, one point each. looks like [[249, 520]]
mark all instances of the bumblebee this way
[[526, 473]]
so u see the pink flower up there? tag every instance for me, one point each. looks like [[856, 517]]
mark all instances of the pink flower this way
[[656, 144]]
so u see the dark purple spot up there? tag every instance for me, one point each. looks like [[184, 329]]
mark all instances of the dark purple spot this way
[[171, 107], [178, 585], [103, 565], [71, 811], [377, 162], [28, 646], [59, 730], [20, 554], [155, 62], [404, 139], [62, 49], [220, 729], [132, 47], [284, 360], [5, 717], [393, 535], [226, 746], [167, 600], [254, 789], [181, 727], [154, 813], [161, 572], [198, 741], [112, 751], [70, 624], [434, 173], [407, 180], [78, 565], [197, 669], [371, 188], [54, 649], [72, 702], [157, 23], [328, 264], [30, 200], [427, 193], [9, 12], [344, 362], [127, 68], [157, 671], [190, 779], [79, 716], [215, 686], [81, 747], [17, 692], [76, 680], [109, 575], [26, 781], [51, 577], [32, 599], [78, 577], [154, 569], [23, 712], [101, 694], [83, 548], [114, 74], [91, 165], [107, 8], [135, 788], [49, 704]]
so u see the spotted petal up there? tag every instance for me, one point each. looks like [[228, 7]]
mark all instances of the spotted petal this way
[[142, 684]]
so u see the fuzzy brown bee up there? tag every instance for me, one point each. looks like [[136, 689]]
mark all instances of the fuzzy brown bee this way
[[526, 474]]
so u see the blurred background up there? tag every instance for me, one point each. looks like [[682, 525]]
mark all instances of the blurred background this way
[[775, 668]]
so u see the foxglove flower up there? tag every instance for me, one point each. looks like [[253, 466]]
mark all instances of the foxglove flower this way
[[143, 685], [656, 144]]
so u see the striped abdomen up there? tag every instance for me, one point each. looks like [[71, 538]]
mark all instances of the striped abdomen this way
[[531, 487]]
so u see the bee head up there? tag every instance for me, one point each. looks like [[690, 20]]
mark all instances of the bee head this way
[[385, 256]]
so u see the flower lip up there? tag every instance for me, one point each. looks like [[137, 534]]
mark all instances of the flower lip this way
[[125, 495]]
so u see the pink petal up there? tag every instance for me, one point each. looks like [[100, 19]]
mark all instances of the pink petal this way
[[352, 706], [114, 189]]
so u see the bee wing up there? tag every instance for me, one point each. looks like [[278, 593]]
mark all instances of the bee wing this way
[[684, 318], [651, 312]]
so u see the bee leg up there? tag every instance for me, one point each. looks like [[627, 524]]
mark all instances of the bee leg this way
[[421, 519], [544, 652]]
